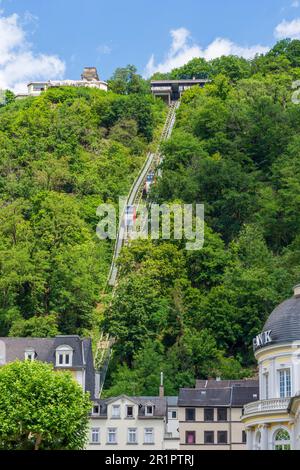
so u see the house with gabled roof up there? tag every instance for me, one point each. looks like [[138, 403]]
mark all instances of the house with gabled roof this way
[[131, 423], [70, 353]]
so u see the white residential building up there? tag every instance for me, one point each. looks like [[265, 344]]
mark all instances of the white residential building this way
[[70, 353], [132, 423]]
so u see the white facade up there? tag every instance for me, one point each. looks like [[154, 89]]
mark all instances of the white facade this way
[[123, 427], [173, 421], [36, 88], [273, 423], [270, 418]]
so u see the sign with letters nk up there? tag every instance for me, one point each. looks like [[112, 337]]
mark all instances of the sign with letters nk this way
[[262, 340]]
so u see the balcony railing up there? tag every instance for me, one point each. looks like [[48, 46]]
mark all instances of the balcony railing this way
[[264, 406], [166, 89]]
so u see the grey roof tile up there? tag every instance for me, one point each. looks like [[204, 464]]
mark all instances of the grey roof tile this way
[[204, 397], [237, 394], [284, 322], [214, 383], [160, 405]]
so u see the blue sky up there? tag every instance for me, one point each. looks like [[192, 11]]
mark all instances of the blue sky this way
[[57, 38]]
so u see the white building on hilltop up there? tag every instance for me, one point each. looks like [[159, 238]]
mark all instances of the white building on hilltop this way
[[89, 79]]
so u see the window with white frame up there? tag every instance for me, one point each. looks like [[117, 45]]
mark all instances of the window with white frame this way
[[285, 386], [96, 410], [95, 436], [149, 410], [149, 436], [172, 414], [132, 436], [112, 436], [129, 411], [64, 356], [115, 411], [29, 355], [282, 440]]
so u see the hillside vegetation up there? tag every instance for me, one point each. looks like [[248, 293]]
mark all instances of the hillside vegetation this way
[[61, 155], [235, 148]]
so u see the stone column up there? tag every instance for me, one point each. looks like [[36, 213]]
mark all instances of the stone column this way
[[264, 437], [273, 392], [250, 435]]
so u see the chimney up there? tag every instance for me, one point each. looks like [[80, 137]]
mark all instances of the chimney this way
[[161, 387], [90, 74], [297, 291], [97, 384]]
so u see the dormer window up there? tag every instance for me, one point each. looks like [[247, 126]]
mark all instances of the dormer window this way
[[30, 355], [149, 410], [129, 411], [96, 410], [64, 356], [116, 412]]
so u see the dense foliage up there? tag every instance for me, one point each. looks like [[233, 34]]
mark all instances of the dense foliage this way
[[61, 155], [41, 409], [235, 148]]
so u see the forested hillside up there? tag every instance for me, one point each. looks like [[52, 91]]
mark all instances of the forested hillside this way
[[235, 148], [61, 155]]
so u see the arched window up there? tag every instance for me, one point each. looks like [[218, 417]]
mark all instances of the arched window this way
[[258, 441], [282, 440]]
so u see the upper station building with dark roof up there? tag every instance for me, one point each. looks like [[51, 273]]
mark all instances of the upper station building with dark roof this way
[[273, 423], [171, 90]]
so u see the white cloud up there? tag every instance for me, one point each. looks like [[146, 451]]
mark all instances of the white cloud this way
[[222, 46], [295, 4], [104, 49], [18, 62], [288, 29], [183, 49]]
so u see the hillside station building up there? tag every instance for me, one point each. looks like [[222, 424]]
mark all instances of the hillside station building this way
[[171, 90]]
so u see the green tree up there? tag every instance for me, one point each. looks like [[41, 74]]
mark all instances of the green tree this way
[[41, 409], [137, 313], [126, 81], [35, 327], [233, 67]]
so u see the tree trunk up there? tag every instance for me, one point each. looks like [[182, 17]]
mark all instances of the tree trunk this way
[[38, 442]]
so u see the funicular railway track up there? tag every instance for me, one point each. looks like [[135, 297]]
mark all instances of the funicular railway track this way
[[151, 163]]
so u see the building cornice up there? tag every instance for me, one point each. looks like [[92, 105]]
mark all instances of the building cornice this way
[[275, 347]]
